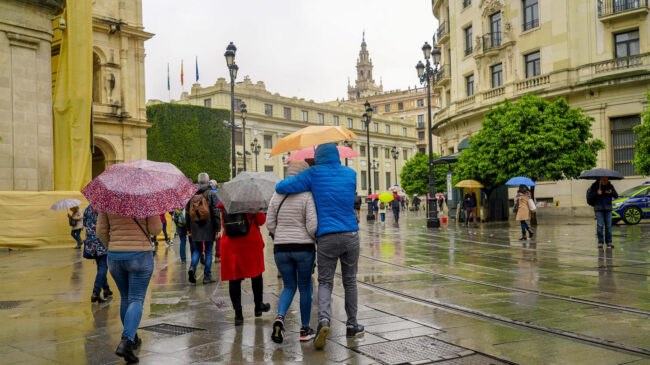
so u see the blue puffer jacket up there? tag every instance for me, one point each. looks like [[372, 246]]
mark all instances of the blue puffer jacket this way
[[333, 187]]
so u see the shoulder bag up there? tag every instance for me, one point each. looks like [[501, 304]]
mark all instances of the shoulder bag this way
[[277, 212]]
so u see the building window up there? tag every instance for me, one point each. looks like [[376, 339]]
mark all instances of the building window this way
[[386, 153], [467, 3], [388, 185], [374, 110], [207, 103], [420, 102], [532, 64], [362, 150], [238, 138], [268, 141], [495, 29], [400, 106], [405, 154], [268, 168], [364, 183], [375, 183], [321, 118], [627, 44], [469, 85], [497, 75], [350, 123], [623, 139], [421, 121], [404, 132], [336, 120], [421, 135], [305, 115], [387, 107], [375, 127], [287, 113], [468, 41], [423, 150], [362, 125], [531, 14], [237, 104], [387, 129], [375, 152], [268, 109]]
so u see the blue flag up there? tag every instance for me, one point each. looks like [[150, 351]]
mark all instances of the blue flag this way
[[197, 69]]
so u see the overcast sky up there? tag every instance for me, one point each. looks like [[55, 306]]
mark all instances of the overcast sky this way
[[304, 48]]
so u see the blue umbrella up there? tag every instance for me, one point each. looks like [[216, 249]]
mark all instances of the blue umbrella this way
[[520, 180]]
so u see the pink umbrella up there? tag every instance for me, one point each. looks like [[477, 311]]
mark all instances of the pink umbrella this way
[[344, 152], [139, 189]]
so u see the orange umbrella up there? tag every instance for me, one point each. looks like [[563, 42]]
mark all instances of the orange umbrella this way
[[311, 136]]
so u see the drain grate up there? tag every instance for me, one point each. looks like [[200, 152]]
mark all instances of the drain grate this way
[[11, 304], [476, 359], [171, 329], [412, 350]]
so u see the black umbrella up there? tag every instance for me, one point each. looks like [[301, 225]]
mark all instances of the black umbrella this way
[[595, 174]]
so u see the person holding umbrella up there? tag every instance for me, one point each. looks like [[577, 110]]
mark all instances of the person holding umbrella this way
[[95, 249], [600, 196], [523, 208], [76, 224]]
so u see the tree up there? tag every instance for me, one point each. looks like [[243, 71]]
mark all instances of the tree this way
[[415, 175], [642, 144], [533, 138]]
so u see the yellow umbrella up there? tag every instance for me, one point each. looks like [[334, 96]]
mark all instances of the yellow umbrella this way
[[386, 197], [469, 184], [311, 136]]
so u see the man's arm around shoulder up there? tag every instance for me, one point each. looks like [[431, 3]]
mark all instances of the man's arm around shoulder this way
[[295, 184]]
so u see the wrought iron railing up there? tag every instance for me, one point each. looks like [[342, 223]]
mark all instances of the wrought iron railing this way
[[611, 7], [491, 40], [443, 72], [443, 30], [531, 24]]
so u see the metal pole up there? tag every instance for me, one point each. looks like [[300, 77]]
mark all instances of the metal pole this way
[[370, 216], [232, 122], [432, 217], [396, 180], [243, 138]]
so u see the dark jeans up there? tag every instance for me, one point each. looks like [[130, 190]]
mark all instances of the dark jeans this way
[[604, 222], [396, 214], [183, 239], [296, 269], [196, 256], [132, 278], [234, 288], [382, 216], [100, 279], [76, 234], [524, 227], [164, 229]]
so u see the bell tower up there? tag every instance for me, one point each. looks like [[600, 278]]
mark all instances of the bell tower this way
[[364, 84]]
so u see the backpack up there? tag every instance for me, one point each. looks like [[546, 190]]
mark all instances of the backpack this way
[[382, 206], [236, 225], [591, 200], [199, 210], [179, 218]]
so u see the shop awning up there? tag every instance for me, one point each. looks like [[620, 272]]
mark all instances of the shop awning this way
[[453, 158]]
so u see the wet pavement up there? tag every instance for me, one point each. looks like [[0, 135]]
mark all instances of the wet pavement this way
[[451, 296]]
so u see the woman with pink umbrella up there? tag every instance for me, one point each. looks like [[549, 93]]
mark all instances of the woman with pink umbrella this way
[[130, 197]]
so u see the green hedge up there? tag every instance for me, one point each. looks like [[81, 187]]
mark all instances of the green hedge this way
[[193, 138]]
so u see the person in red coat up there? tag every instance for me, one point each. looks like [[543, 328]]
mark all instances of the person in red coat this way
[[241, 258]]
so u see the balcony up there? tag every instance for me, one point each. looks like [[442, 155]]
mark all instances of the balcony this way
[[465, 102], [443, 76], [640, 61], [614, 9], [498, 91], [420, 125], [532, 82], [442, 34], [491, 41]]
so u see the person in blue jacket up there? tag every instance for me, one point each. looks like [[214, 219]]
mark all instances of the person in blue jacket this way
[[333, 187]]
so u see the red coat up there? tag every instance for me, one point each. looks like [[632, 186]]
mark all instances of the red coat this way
[[243, 257]]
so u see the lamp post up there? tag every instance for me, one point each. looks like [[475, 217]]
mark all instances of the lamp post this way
[[426, 73], [346, 143], [374, 167], [244, 113], [232, 68], [367, 116], [256, 149], [395, 153]]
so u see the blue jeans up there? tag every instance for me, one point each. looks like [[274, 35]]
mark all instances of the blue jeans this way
[[164, 229], [524, 227], [296, 269], [382, 216], [100, 279], [132, 278], [604, 221], [183, 238], [196, 255], [396, 214], [76, 234]]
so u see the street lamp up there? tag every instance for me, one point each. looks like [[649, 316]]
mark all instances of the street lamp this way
[[347, 143], [374, 167], [426, 73], [367, 116], [256, 149], [395, 153], [232, 68], [244, 112]]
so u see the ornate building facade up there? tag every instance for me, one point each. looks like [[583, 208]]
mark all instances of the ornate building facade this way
[[594, 53], [365, 84]]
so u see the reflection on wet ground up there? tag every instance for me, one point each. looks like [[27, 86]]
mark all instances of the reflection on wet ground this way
[[450, 296]]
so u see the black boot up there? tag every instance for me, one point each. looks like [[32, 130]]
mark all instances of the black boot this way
[[523, 237], [530, 233], [125, 350], [261, 308], [96, 298], [239, 316], [107, 293], [137, 341]]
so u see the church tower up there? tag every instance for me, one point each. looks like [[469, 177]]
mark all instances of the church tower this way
[[364, 84]]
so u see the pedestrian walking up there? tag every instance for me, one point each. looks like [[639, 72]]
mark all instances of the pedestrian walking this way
[[416, 203], [524, 205], [382, 212], [163, 220], [407, 202], [94, 249], [395, 207], [242, 257], [402, 204], [203, 224], [292, 222], [600, 196], [75, 219], [130, 261], [217, 241], [178, 217], [469, 203], [333, 187]]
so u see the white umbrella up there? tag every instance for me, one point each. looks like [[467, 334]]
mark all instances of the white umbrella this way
[[249, 192], [65, 204]]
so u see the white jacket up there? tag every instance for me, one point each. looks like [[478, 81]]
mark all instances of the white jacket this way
[[297, 221]]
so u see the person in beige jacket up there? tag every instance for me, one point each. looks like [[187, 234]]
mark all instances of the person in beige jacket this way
[[75, 230], [292, 221], [523, 210], [130, 261]]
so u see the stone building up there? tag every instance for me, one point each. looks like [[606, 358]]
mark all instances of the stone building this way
[[365, 84], [272, 116], [594, 53]]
